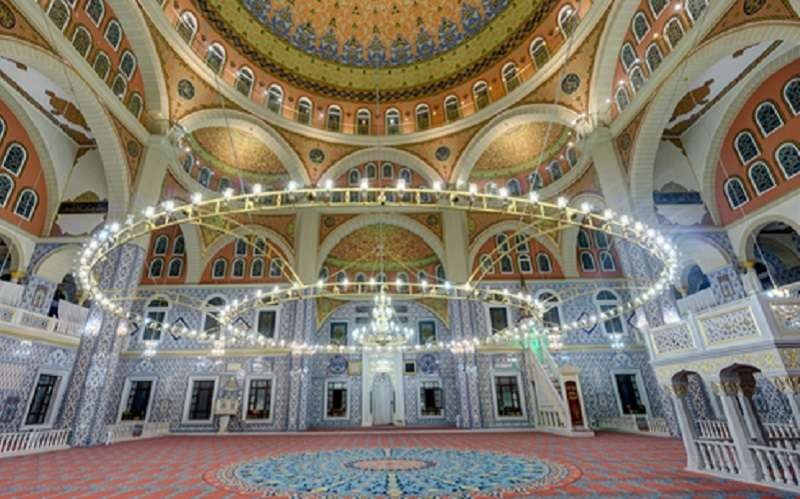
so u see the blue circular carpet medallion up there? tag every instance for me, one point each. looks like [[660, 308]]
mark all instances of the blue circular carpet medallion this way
[[392, 473]]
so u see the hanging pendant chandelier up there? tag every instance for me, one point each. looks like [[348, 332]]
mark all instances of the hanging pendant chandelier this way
[[384, 330]]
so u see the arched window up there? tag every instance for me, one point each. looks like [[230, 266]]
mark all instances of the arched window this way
[[244, 81], [440, 274], [502, 242], [370, 170], [6, 188], [673, 32], [323, 274], [568, 20], [179, 246], [392, 121], [361, 277], [490, 188], [423, 117], [119, 86], [219, 269], [627, 56], [363, 122], [583, 239], [237, 269], [695, 8], [155, 315], [587, 262], [223, 184], [113, 34], [653, 57], [480, 94], [607, 263], [746, 147], [539, 52], [82, 41], [451, 108], [15, 158], [640, 26], [59, 13], [387, 170], [510, 76], [257, 268], [95, 9], [275, 267], [601, 239], [521, 243], [622, 98], [791, 93], [422, 276], [405, 174], [513, 187], [788, 157], [204, 177], [240, 247], [552, 316], [543, 263], [135, 104], [187, 26], [607, 301], [554, 169], [213, 307], [187, 162], [657, 6], [333, 120], [259, 246], [637, 78], [2, 128], [401, 279], [735, 192], [768, 118], [127, 64], [572, 156], [534, 181], [215, 57], [161, 245], [156, 268], [102, 65], [524, 262], [175, 267], [275, 99], [341, 277], [354, 177], [305, 110], [761, 177]]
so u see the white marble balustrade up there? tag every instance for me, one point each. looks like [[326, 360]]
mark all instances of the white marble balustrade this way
[[132, 430], [31, 442]]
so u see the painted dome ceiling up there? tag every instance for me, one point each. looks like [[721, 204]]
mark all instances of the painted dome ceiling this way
[[521, 149], [214, 147], [360, 250], [409, 48]]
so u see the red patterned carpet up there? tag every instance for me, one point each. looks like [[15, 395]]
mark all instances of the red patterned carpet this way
[[609, 464]]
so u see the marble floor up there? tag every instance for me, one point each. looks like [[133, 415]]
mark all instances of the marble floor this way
[[438, 463]]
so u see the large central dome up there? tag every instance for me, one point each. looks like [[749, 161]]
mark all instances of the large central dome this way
[[331, 45]]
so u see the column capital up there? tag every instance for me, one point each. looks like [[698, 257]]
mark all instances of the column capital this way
[[789, 385], [729, 388]]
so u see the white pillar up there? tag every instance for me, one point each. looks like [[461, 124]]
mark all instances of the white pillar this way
[[679, 392], [456, 245], [611, 172], [736, 427], [307, 245]]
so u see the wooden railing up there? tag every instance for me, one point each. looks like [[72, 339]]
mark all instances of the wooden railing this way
[[718, 457], [131, 430], [712, 429], [31, 442]]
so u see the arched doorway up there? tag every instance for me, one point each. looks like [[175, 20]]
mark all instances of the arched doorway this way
[[776, 250]]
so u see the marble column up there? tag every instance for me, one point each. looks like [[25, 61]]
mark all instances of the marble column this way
[[714, 400], [679, 391], [88, 405], [299, 366], [737, 429]]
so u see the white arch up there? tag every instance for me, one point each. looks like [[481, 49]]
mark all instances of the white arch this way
[[135, 29], [361, 221], [57, 263], [108, 143], [661, 106], [20, 245], [605, 66], [510, 226], [210, 252], [42, 152], [702, 251], [742, 236], [707, 175], [501, 124], [245, 122], [390, 154]]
